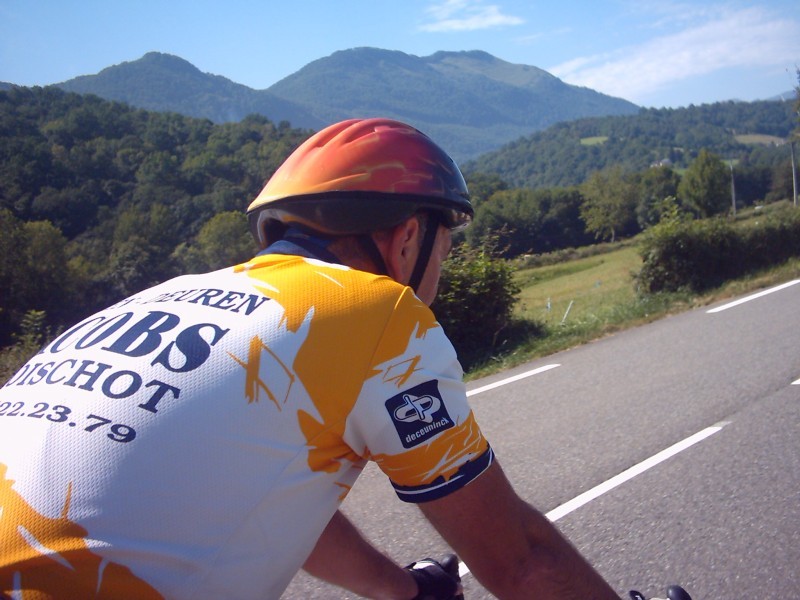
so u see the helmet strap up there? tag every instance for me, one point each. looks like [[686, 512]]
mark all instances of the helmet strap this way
[[370, 248], [425, 250]]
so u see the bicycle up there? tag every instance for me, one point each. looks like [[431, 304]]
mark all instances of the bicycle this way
[[674, 592], [450, 565]]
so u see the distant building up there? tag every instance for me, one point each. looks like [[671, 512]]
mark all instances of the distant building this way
[[664, 162]]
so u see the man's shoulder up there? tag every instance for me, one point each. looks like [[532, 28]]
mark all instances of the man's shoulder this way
[[329, 280]]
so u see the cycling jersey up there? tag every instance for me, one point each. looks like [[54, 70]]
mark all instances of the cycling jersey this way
[[194, 439]]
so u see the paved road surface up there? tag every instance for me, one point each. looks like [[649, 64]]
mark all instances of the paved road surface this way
[[721, 517]]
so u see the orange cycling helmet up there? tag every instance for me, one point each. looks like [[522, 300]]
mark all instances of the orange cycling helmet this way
[[359, 176]]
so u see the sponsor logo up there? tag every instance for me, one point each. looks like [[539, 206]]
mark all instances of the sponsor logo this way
[[418, 414]]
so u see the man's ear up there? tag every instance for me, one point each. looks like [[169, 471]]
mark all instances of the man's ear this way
[[402, 250]]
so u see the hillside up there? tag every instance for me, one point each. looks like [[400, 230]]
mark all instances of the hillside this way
[[470, 102], [567, 153], [119, 199]]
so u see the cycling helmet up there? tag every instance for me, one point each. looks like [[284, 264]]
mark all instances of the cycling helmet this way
[[359, 176]]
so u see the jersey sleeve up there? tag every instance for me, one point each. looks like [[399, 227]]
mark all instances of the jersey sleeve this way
[[412, 417]]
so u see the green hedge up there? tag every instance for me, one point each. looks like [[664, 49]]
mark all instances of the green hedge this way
[[699, 255], [476, 297]]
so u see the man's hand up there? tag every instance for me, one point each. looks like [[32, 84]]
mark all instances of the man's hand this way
[[435, 580], [674, 592]]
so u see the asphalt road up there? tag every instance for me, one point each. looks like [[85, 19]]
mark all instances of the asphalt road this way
[[721, 517]]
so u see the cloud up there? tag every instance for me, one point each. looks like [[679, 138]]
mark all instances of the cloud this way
[[745, 38], [466, 15], [544, 35]]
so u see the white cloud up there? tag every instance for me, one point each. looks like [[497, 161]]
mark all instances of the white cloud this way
[[744, 39], [466, 15], [543, 36]]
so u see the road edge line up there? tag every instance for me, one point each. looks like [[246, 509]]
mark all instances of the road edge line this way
[[508, 380], [628, 474]]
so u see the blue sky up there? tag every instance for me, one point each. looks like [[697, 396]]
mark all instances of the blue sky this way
[[654, 53]]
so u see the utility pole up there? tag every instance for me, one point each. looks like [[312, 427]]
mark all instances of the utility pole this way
[[733, 189], [794, 174]]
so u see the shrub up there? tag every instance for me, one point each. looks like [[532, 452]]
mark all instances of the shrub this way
[[699, 255], [475, 301], [27, 343]]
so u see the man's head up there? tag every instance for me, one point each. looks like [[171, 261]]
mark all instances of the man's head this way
[[414, 251], [379, 182]]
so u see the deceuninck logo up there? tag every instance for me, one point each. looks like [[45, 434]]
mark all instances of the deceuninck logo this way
[[419, 413]]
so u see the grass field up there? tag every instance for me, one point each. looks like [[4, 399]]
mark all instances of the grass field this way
[[759, 139], [584, 299], [594, 141], [589, 288]]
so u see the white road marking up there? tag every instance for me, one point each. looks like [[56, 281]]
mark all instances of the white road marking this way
[[597, 491], [753, 297], [508, 380]]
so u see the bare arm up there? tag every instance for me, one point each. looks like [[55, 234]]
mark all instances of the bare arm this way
[[343, 557], [512, 549]]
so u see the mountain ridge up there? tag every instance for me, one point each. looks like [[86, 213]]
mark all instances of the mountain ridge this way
[[470, 102], [184, 89]]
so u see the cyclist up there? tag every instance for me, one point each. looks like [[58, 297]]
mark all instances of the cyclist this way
[[197, 438]]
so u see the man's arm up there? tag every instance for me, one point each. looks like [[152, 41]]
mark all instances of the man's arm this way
[[343, 557], [510, 547]]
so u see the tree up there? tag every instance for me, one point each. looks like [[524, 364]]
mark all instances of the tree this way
[[796, 131], [27, 342], [753, 183], [655, 185], [795, 135], [562, 226], [512, 218], [11, 271], [225, 240], [35, 273], [140, 256], [705, 187], [49, 283], [482, 186], [524, 221], [610, 203]]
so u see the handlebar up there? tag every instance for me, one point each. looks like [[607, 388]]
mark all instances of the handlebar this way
[[450, 564], [674, 592]]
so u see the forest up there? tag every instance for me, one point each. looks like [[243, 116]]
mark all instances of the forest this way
[[749, 133], [99, 200]]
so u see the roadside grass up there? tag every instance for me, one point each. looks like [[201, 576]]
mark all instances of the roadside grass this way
[[568, 304], [588, 288]]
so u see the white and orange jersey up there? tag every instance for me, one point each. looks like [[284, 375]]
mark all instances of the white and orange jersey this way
[[194, 440]]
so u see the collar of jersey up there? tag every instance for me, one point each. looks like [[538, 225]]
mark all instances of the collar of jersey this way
[[299, 243]]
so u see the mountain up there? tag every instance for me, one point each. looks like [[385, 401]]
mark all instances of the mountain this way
[[162, 82], [469, 102], [784, 96]]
